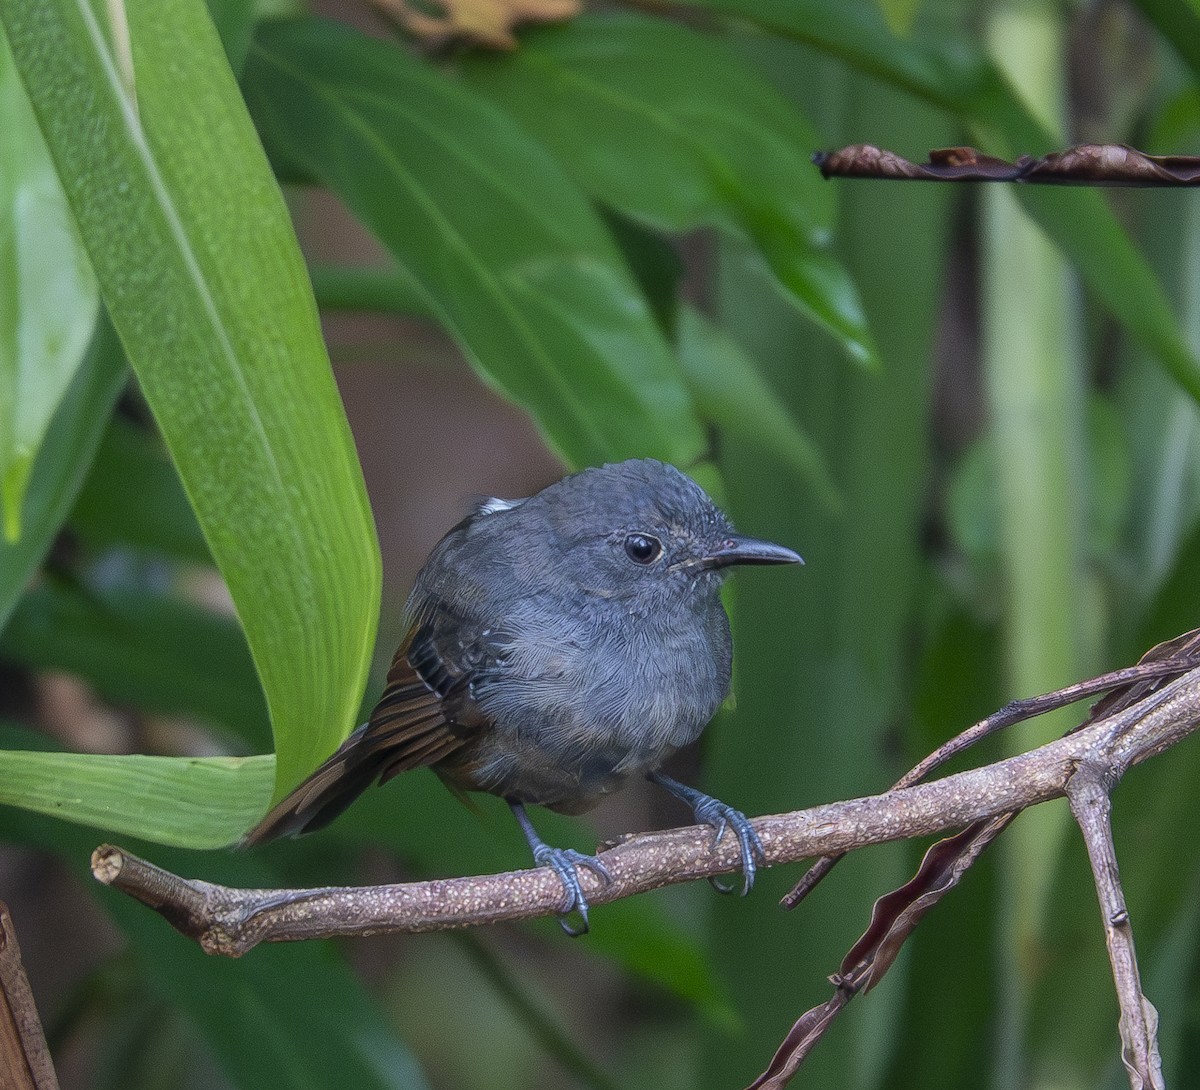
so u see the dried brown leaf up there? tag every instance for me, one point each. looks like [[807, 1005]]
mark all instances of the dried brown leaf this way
[[1085, 164], [809, 1029], [894, 917], [480, 22], [896, 914]]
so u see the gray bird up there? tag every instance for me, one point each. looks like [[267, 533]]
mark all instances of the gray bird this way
[[556, 646]]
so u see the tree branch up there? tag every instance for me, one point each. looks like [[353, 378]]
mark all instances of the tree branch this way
[[232, 921]]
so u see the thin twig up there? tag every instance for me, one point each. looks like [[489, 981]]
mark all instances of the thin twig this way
[[1148, 670], [232, 921], [1088, 792], [24, 1058]]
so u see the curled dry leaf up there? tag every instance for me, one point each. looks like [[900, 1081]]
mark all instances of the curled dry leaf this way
[[1084, 164], [894, 917], [1176, 656], [488, 23]]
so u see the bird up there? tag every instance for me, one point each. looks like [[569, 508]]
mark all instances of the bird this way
[[556, 647]]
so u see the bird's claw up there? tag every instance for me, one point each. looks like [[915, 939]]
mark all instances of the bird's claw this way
[[565, 862], [721, 817]]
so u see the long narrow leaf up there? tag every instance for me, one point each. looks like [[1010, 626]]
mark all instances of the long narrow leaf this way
[[189, 802], [515, 262], [48, 298], [197, 261]]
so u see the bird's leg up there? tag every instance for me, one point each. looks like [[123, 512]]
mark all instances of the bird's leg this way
[[564, 862], [721, 817]]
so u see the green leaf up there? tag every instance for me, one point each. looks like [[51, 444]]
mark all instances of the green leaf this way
[[957, 77], [516, 263], [160, 654], [633, 123], [64, 459], [197, 261], [190, 802], [731, 392], [48, 297], [654, 262]]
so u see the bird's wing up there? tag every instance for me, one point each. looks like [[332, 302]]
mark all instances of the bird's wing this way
[[428, 707], [426, 712]]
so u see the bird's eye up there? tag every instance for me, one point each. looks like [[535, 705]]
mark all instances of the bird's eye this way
[[642, 548]]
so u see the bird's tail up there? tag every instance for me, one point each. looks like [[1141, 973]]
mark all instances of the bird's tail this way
[[325, 794], [407, 729]]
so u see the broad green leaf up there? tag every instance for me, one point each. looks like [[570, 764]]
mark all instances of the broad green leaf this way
[[515, 262], [956, 76], [157, 653], [197, 261], [63, 461], [633, 123], [730, 391], [48, 298], [189, 802], [654, 262], [291, 1015]]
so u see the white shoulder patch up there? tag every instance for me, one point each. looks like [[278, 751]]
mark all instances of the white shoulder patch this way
[[495, 505]]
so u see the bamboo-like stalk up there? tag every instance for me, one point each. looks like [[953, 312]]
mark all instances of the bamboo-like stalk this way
[[1036, 405]]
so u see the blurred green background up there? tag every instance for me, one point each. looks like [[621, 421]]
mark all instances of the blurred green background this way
[[972, 410]]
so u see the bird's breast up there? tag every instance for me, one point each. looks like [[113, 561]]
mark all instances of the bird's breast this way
[[573, 718]]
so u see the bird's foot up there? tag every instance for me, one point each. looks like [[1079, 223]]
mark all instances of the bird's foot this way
[[721, 817], [565, 862]]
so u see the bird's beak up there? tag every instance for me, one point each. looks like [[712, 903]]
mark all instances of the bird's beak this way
[[748, 550]]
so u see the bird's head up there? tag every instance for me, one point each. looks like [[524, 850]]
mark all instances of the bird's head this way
[[643, 530]]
